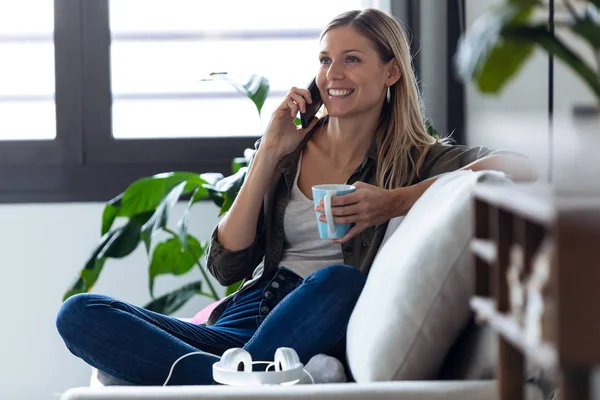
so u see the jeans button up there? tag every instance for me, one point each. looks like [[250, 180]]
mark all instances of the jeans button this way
[[268, 295], [275, 284], [265, 309]]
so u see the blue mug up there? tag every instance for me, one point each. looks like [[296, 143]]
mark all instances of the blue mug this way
[[330, 230]]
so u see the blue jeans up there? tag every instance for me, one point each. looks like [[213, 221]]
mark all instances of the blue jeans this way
[[139, 346]]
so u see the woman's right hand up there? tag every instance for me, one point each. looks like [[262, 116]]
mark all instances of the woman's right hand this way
[[282, 135]]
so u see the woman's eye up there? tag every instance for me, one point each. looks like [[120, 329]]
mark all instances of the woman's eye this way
[[324, 60], [352, 59]]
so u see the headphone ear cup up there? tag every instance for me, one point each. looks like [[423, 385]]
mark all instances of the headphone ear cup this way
[[237, 359], [286, 359]]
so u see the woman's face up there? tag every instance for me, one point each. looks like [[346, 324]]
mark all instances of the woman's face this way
[[352, 78]]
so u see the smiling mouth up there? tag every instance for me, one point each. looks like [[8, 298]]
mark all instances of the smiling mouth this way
[[340, 92]]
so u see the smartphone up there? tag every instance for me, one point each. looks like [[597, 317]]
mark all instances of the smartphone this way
[[313, 108]]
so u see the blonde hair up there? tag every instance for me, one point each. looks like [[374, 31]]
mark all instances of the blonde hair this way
[[401, 136]]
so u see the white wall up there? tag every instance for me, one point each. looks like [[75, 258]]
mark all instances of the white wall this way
[[43, 248]]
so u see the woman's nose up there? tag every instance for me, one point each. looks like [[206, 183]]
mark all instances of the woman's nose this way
[[334, 72]]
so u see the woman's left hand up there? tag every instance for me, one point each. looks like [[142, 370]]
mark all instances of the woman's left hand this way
[[368, 205]]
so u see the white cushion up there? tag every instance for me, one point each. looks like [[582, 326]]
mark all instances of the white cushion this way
[[415, 301]]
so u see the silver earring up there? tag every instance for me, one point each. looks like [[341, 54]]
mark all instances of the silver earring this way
[[389, 94]]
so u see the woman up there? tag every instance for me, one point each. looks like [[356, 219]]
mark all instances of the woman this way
[[299, 290]]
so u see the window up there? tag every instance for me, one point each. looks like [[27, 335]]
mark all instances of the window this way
[[39, 128], [97, 93], [158, 57], [27, 71], [160, 110]]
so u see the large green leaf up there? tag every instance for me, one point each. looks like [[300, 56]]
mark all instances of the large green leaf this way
[[182, 224], [480, 42], [211, 178], [225, 191], [589, 30], [161, 216], [238, 163], [431, 131], [147, 193], [502, 64], [255, 87], [171, 302], [540, 35], [126, 238], [117, 243], [233, 288], [111, 210], [170, 257], [245, 161], [90, 272], [87, 277]]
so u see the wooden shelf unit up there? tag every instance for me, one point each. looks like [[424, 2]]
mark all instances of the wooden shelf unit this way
[[507, 214]]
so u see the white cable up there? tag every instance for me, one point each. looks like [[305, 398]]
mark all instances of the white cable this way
[[181, 358], [309, 375]]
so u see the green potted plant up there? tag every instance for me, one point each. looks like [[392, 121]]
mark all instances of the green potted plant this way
[[502, 40], [144, 207]]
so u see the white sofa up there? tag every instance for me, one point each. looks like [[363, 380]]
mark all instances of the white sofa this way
[[420, 342], [404, 390]]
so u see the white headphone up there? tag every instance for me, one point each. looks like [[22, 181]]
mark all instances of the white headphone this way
[[235, 368]]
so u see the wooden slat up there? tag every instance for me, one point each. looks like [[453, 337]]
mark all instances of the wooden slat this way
[[577, 272], [544, 354], [531, 201], [512, 363], [576, 384], [501, 231], [481, 230], [482, 219]]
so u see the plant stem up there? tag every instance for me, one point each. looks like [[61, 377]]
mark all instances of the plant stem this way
[[215, 296], [206, 278]]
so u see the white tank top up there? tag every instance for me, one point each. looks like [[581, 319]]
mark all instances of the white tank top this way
[[304, 251]]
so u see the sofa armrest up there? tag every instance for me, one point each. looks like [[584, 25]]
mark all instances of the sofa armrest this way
[[405, 390]]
